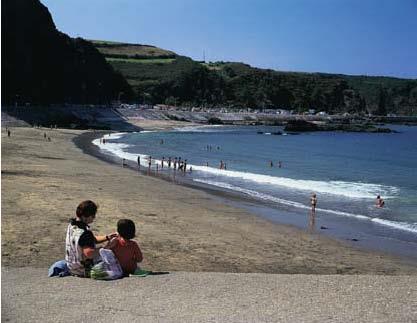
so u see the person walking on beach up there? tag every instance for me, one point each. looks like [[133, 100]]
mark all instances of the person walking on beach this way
[[185, 166], [379, 202], [169, 162], [313, 201], [138, 161], [8, 132], [123, 162], [162, 162], [80, 242], [175, 163]]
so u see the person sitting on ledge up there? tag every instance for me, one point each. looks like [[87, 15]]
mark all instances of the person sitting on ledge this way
[[126, 250], [80, 242]]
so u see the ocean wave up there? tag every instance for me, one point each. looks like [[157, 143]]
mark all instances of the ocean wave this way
[[118, 149], [357, 190], [411, 227], [348, 189]]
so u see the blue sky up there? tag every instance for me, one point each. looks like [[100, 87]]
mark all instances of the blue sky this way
[[368, 37]]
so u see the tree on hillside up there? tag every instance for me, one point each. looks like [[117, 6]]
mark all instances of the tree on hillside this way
[[382, 102]]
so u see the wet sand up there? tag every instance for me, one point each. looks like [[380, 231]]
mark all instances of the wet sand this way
[[179, 228]]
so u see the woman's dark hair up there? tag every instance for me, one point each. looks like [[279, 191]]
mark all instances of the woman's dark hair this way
[[126, 229], [86, 209]]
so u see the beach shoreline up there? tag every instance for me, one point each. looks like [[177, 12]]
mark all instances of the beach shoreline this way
[[180, 228], [358, 233]]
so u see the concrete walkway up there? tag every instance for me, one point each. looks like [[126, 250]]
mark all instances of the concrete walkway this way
[[28, 295]]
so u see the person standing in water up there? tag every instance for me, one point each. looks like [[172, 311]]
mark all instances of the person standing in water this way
[[169, 162], [149, 162], [138, 161], [162, 162], [313, 201], [271, 164]]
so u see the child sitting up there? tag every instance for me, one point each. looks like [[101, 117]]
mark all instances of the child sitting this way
[[126, 250]]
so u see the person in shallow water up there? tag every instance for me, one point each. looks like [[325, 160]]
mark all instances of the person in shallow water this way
[[379, 201], [313, 201]]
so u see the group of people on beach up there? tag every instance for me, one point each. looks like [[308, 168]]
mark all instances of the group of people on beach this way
[[82, 254], [177, 163]]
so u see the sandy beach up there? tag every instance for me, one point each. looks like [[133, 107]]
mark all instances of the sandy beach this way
[[179, 228]]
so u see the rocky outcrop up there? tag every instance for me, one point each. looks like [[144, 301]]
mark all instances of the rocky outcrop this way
[[305, 126]]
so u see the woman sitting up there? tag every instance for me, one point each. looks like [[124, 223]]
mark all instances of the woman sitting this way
[[80, 243]]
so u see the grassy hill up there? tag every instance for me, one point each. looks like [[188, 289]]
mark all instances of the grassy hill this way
[[124, 50], [161, 76]]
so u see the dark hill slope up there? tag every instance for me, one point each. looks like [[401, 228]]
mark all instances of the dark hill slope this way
[[42, 65]]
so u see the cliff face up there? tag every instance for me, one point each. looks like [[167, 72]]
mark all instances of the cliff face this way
[[42, 65]]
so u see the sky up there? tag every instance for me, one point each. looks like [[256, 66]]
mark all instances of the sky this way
[[357, 37]]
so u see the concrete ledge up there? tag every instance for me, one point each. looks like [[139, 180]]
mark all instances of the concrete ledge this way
[[28, 295]]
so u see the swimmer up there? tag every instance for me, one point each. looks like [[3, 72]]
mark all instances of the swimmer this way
[[379, 202]]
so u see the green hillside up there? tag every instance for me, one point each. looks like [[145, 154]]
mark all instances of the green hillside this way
[[124, 50], [160, 76]]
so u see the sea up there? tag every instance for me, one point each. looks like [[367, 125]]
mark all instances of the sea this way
[[275, 173]]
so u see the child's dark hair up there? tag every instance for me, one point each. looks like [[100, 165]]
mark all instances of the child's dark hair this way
[[86, 208], [126, 229]]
